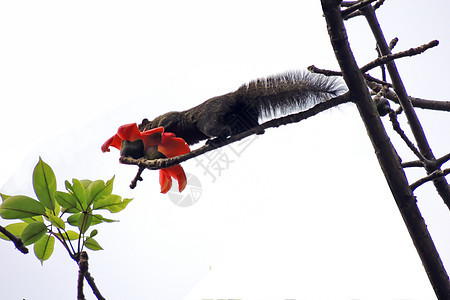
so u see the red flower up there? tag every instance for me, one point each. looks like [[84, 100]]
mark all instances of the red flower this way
[[151, 144]]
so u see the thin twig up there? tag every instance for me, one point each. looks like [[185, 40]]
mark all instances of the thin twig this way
[[369, 78], [443, 159], [348, 3], [384, 59], [416, 102], [401, 133], [429, 104], [382, 66], [137, 177], [359, 4], [413, 164], [17, 241], [314, 69], [436, 163], [378, 4], [345, 13], [436, 174], [393, 43]]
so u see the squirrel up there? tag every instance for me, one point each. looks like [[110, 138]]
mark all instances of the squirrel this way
[[235, 112]]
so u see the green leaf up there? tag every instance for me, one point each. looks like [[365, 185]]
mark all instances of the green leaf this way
[[15, 228], [85, 182], [72, 210], [98, 191], [92, 244], [4, 197], [67, 201], [69, 235], [33, 219], [73, 219], [79, 193], [113, 203], [56, 221], [97, 219], [81, 220], [56, 210], [68, 186], [43, 248], [33, 233], [93, 233], [44, 183], [18, 207]]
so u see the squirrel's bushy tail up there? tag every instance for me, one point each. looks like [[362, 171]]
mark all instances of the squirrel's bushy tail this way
[[291, 91]]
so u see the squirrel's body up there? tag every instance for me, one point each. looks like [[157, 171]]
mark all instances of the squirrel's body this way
[[235, 112]]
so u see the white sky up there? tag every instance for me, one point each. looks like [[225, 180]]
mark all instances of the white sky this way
[[303, 213]]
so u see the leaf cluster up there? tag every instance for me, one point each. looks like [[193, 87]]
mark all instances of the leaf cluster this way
[[46, 219]]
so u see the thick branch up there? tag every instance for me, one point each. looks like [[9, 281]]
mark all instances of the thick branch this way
[[17, 241], [83, 267], [156, 164], [93, 286], [386, 154]]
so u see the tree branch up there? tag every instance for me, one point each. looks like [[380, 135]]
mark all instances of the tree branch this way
[[401, 133], [314, 69], [83, 267], [17, 241], [93, 286], [354, 7], [83, 264], [412, 164], [443, 159], [384, 59], [432, 176], [137, 177], [416, 102]]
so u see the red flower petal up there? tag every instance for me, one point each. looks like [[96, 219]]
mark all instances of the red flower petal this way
[[177, 172], [165, 181], [129, 132], [152, 137], [172, 146], [114, 141]]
